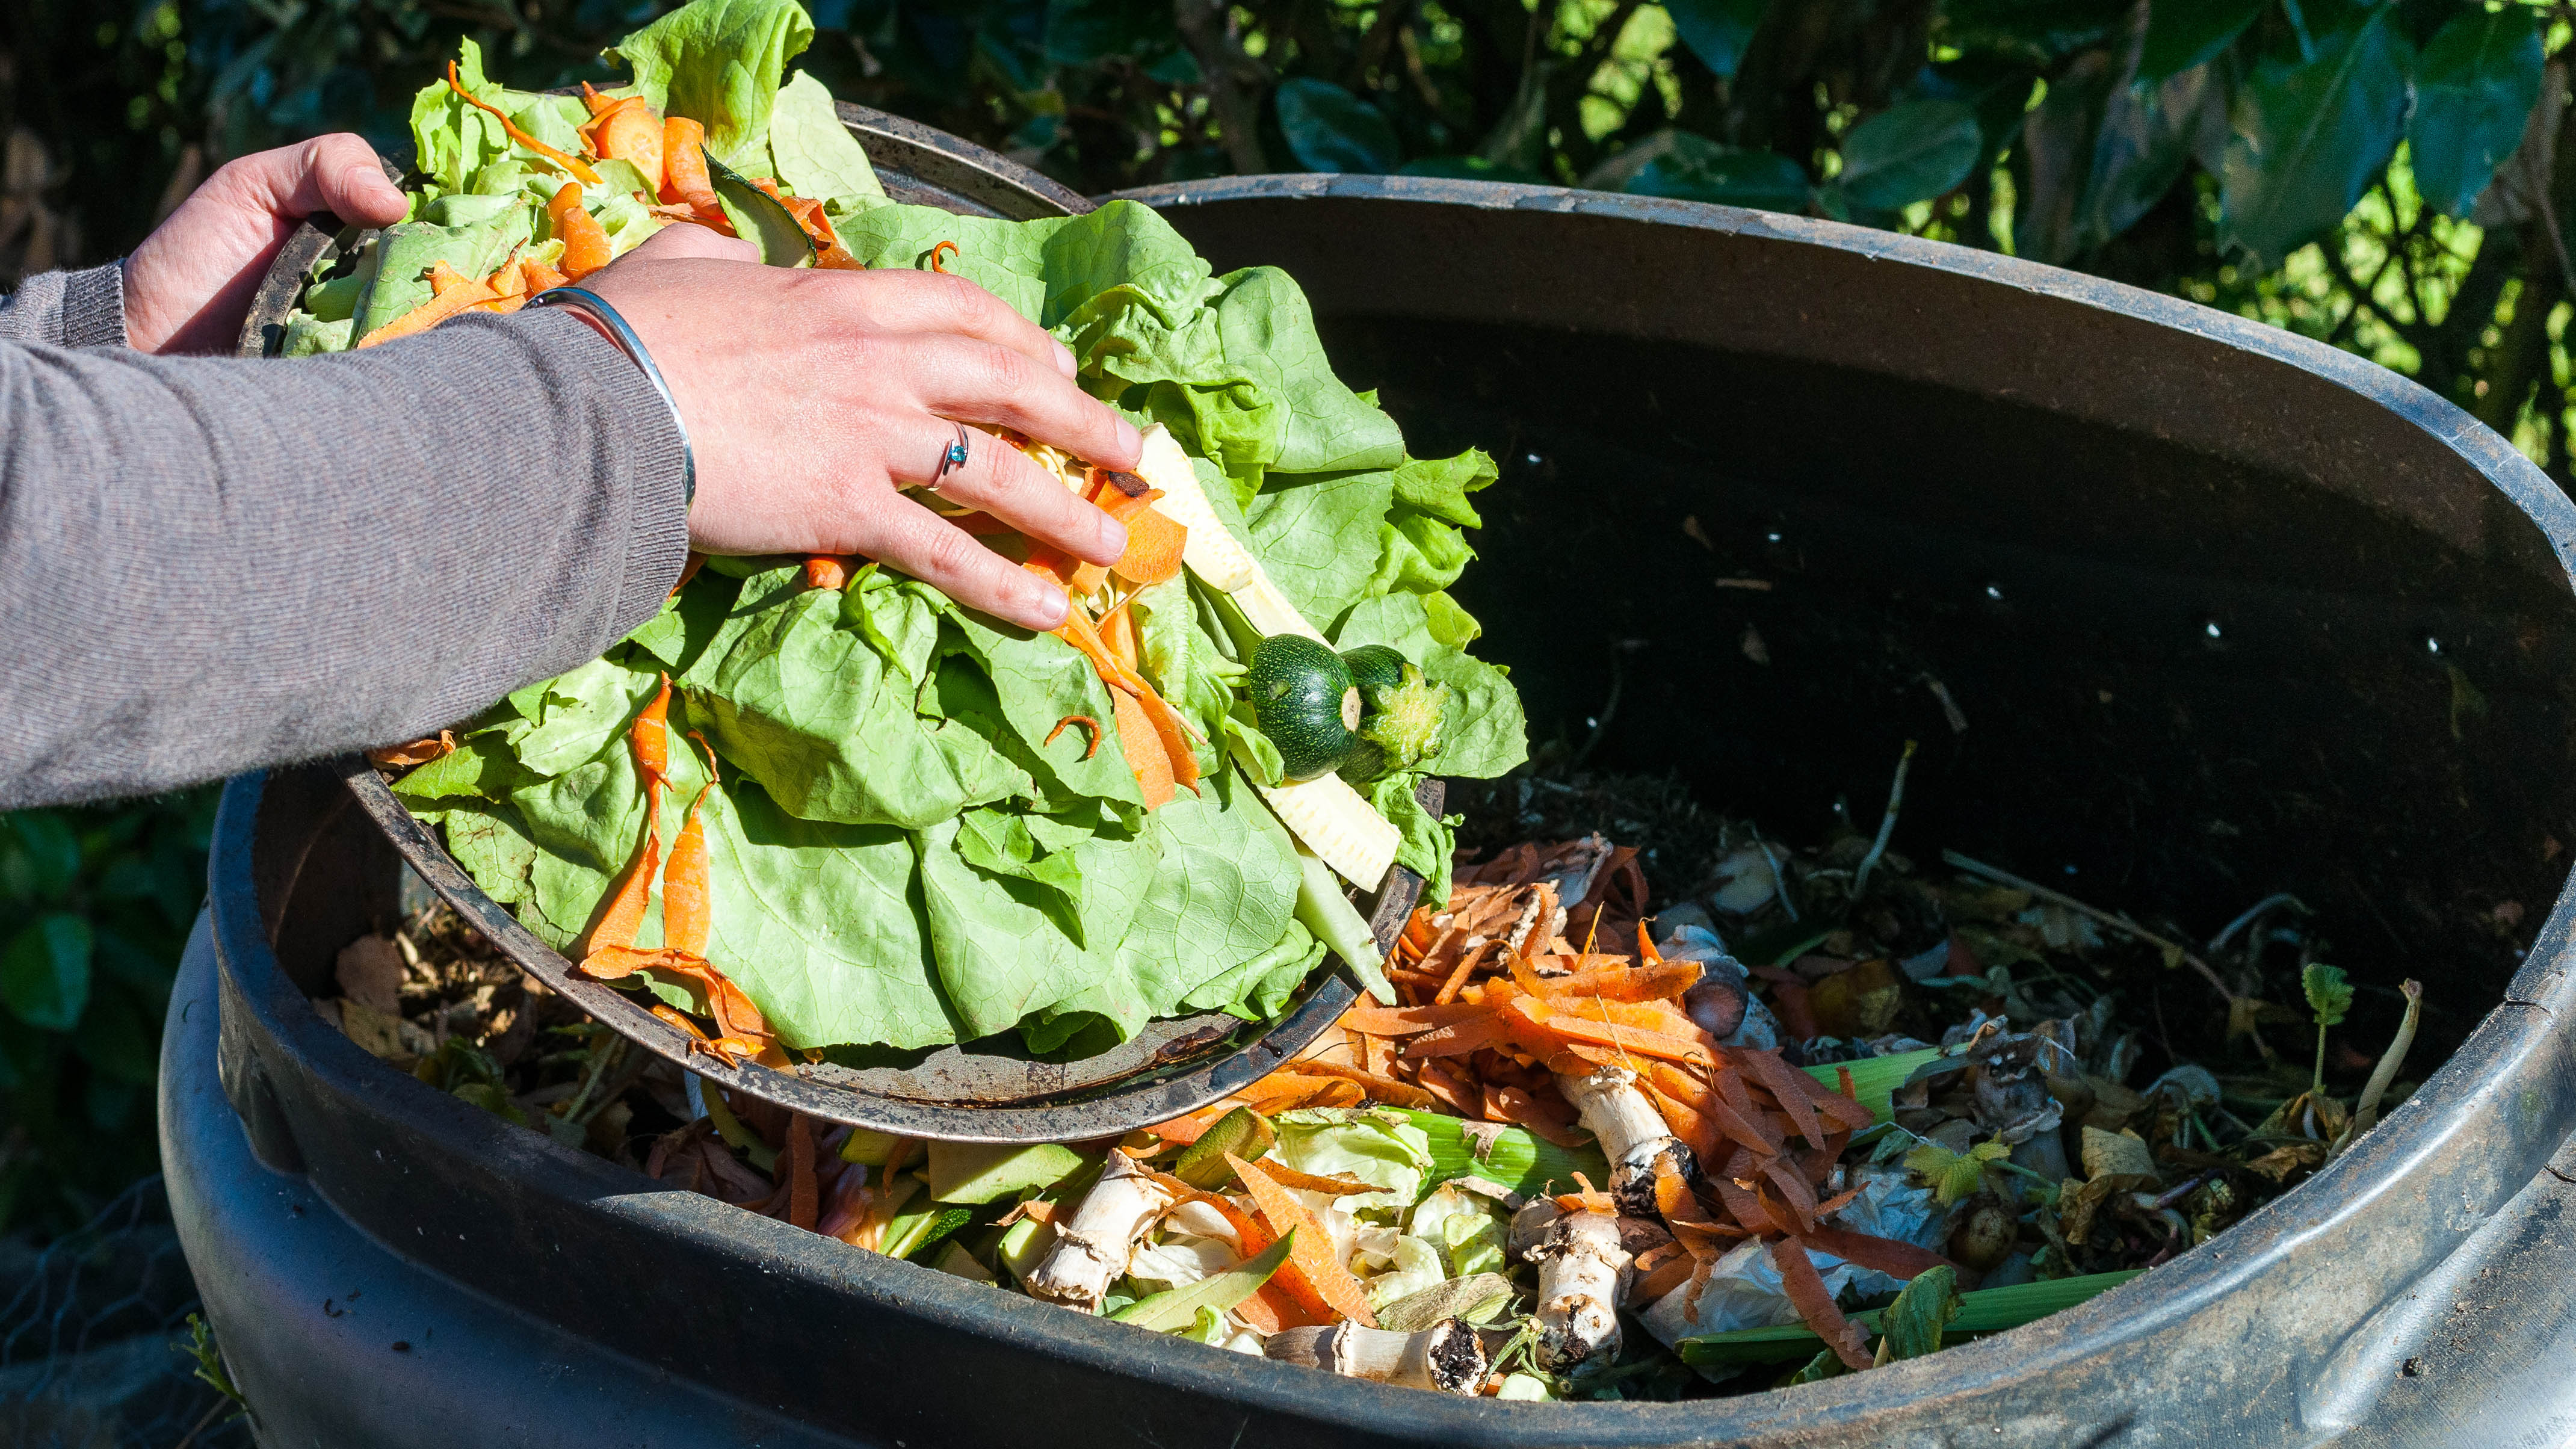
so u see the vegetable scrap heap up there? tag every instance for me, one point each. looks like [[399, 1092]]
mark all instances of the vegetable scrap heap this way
[[892, 822], [1548, 1144]]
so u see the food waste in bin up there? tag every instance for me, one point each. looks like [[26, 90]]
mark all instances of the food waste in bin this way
[[1719, 1160], [1805, 1112]]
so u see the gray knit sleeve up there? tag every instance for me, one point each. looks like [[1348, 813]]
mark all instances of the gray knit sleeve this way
[[212, 564], [68, 309]]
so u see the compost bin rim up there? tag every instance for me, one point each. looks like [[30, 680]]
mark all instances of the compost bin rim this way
[[2494, 1087]]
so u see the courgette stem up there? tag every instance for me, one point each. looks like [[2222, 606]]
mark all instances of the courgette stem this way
[[1324, 910]]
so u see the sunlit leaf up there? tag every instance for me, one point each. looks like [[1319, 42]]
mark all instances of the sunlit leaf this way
[[1717, 31], [1908, 153], [44, 972], [2310, 138], [2184, 33], [2474, 87], [1330, 129], [2329, 993]]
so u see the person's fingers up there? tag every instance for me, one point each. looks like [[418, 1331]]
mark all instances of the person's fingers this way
[[339, 174], [1004, 482], [977, 382], [688, 239], [919, 542], [937, 302]]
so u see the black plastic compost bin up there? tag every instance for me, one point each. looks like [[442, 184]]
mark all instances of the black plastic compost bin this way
[[2197, 588]]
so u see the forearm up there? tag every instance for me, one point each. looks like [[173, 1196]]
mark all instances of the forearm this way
[[212, 565]]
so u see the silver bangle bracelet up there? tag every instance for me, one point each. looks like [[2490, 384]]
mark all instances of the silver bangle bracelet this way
[[585, 300]]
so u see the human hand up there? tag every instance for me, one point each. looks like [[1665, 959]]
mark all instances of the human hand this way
[[189, 285], [811, 397]]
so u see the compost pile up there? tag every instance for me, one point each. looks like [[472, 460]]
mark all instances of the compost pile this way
[[1777, 1138], [815, 806]]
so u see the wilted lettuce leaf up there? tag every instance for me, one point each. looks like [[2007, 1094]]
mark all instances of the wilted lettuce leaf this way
[[718, 62], [814, 155], [1318, 536], [407, 250]]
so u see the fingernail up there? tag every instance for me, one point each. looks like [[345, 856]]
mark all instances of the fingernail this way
[[1113, 540], [1133, 440], [1064, 359], [1043, 607]]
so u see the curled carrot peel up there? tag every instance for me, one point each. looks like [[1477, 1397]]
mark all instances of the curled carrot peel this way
[[1146, 758], [624, 129], [949, 248], [429, 314], [1084, 720], [573, 164], [1312, 1274], [585, 241], [684, 172]]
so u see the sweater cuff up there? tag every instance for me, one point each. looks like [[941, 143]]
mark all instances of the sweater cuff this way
[[68, 309], [654, 463], [94, 307]]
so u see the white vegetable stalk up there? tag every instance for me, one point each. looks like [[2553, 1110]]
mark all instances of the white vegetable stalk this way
[[1447, 1357], [1582, 1276], [1332, 819], [1631, 1132], [1093, 1246]]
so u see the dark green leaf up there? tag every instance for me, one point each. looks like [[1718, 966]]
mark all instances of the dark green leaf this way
[[1908, 153], [45, 859], [2037, 29], [1763, 179], [1332, 130], [117, 1035], [2310, 138], [44, 973], [2474, 87], [2185, 33], [2148, 134], [1717, 30], [1915, 1320], [1468, 168], [759, 218], [1081, 32]]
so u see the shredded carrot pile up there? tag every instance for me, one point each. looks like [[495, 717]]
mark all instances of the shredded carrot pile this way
[[1495, 1000]]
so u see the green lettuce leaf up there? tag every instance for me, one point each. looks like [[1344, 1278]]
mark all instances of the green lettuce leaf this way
[[407, 250], [814, 155], [718, 62]]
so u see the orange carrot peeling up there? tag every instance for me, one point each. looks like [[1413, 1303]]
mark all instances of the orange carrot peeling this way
[[573, 164], [585, 240]]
